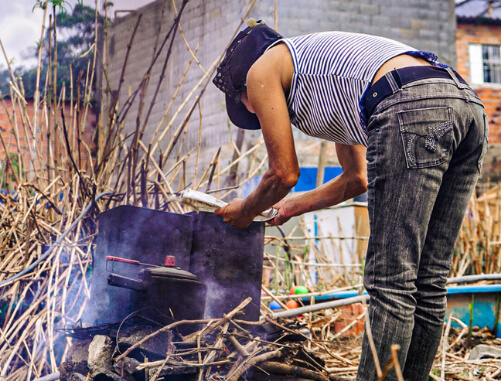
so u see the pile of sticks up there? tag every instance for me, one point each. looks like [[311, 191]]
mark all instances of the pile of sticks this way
[[229, 348], [226, 350], [302, 347]]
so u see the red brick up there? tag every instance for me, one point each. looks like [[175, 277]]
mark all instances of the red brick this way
[[480, 34], [8, 131]]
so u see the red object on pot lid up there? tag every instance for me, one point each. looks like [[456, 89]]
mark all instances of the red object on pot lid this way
[[169, 271], [170, 261]]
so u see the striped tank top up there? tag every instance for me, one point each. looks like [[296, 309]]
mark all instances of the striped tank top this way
[[332, 70]]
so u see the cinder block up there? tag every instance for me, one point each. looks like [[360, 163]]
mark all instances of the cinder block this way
[[408, 34], [425, 34], [361, 19], [369, 9]]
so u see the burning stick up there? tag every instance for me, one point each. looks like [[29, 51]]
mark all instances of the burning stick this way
[[211, 355], [46, 198]]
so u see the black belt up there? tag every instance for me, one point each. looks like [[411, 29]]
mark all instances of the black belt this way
[[382, 88]]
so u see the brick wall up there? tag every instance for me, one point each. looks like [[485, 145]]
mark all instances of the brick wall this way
[[468, 33], [15, 127]]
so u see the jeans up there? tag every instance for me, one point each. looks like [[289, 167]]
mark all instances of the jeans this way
[[426, 145]]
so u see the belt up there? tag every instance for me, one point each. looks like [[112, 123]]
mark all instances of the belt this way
[[382, 88]]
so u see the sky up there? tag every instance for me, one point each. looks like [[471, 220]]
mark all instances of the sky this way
[[21, 25]]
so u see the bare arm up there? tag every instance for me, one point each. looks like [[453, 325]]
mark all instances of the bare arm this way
[[265, 92], [352, 182]]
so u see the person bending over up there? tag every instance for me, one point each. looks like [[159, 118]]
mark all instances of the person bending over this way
[[407, 129]]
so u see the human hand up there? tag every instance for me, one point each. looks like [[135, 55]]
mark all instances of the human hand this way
[[234, 214], [282, 213]]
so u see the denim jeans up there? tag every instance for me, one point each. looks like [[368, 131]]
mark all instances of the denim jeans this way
[[426, 145]]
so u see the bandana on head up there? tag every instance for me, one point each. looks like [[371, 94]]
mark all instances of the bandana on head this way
[[231, 75]]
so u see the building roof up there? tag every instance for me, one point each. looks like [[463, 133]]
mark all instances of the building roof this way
[[478, 9], [478, 21]]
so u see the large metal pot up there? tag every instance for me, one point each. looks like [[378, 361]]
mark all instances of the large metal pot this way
[[165, 294]]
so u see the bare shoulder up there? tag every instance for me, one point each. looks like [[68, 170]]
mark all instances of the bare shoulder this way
[[274, 64]]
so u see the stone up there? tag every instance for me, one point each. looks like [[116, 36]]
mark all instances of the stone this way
[[75, 377], [127, 365], [100, 355], [482, 350]]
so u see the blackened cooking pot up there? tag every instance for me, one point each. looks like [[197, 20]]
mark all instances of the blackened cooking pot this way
[[165, 294]]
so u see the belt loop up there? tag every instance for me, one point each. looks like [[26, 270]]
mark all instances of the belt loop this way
[[455, 78], [396, 76], [391, 81]]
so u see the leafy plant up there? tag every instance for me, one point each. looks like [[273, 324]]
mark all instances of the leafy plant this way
[[79, 25], [61, 4], [6, 175]]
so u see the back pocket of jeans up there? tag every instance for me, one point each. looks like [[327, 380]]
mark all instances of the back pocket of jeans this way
[[426, 135]]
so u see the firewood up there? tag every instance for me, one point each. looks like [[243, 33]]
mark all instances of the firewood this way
[[234, 374], [296, 371]]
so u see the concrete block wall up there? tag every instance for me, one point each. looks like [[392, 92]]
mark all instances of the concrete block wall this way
[[424, 24]]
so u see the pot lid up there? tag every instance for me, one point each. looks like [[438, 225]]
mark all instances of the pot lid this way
[[171, 272]]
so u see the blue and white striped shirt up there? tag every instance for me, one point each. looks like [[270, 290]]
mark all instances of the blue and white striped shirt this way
[[332, 70]]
